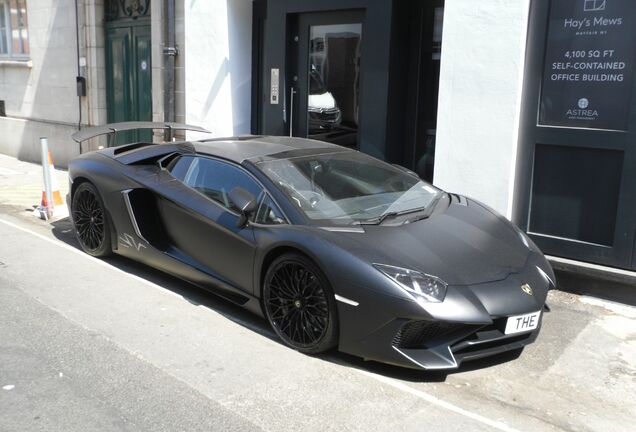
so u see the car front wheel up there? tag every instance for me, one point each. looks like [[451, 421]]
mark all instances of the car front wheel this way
[[89, 219], [300, 304]]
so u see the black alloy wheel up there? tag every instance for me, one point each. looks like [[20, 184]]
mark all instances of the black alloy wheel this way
[[300, 305], [89, 219]]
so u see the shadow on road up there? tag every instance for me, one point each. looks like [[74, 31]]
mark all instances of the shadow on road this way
[[63, 231], [414, 375]]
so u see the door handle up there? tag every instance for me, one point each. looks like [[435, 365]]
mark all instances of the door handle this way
[[292, 92]]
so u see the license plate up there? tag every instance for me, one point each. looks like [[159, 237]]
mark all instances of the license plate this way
[[522, 323]]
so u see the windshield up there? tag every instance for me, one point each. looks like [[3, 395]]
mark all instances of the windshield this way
[[346, 188]]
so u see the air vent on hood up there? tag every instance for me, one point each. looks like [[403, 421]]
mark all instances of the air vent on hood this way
[[458, 199]]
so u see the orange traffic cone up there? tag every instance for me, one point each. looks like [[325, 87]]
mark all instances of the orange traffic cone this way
[[56, 196], [51, 204]]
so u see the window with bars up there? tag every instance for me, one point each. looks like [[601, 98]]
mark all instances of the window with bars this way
[[14, 34]]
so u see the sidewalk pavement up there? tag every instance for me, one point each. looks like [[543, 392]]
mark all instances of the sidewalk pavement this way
[[21, 184]]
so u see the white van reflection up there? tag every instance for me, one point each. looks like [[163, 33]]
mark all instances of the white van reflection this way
[[322, 108]]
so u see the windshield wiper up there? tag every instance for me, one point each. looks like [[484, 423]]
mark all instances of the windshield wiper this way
[[378, 220], [428, 211]]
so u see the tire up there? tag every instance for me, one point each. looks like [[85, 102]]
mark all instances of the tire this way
[[91, 221], [300, 305]]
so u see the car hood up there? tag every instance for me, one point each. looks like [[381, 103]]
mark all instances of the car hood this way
[[461, 244]]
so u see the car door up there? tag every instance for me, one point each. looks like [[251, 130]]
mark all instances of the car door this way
[[202, 223]]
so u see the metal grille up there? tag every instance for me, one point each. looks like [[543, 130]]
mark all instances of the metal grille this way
[[488, 344], [416, 334], [325, 115], [118, 9]]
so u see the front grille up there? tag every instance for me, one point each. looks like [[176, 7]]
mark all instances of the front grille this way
[[498, 324], [488, 344], [417, 334], [327, 115], [487, 338]]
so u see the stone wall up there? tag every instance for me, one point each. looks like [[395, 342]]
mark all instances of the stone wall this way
[[40, 94]]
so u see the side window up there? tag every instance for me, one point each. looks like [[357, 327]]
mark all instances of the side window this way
[[215, 179], [268, 213], [179, 167]]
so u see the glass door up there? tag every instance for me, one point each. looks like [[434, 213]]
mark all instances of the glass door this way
[[324, 96]]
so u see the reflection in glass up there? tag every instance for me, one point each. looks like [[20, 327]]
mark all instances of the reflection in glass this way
[[4, 47], [345, 188], [334, 83], [14, 38]]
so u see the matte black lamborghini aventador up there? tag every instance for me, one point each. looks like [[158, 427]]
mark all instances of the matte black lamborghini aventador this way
[[333, 247]]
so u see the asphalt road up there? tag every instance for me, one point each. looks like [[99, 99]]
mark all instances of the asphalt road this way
[[89, 344]]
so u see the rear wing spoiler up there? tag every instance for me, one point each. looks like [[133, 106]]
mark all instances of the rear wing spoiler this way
[[112, 129]]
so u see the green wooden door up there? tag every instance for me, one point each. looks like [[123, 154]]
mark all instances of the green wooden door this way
[[128, 76]]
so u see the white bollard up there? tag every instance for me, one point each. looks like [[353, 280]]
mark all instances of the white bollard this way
[[46, 170]]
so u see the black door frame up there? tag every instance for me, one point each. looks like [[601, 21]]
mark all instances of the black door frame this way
[[422, 72], [621, 253], [275, 21], [298, 70]]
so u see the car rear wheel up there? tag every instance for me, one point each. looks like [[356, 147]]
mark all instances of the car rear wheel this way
[[300, 305], [89, 218]]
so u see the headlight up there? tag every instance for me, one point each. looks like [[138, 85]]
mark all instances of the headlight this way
[[418, 285]]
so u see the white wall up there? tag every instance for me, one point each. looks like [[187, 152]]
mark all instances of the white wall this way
[[218, 50], [483, 50]]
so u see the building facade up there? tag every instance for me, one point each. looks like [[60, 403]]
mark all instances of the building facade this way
[[525, 105]]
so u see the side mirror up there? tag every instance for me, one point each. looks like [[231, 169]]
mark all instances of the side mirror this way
[[245, 202]]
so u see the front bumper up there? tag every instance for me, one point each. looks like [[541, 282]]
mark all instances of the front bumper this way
[[468, 325], [436, 345], [453, 343]]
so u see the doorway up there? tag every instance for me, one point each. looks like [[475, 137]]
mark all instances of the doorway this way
[[358, 73], [128, 72], [325, 82], [421, 42]]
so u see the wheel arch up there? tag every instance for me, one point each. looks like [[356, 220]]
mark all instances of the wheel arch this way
[[274, 253], [326, 255], [77, 181]]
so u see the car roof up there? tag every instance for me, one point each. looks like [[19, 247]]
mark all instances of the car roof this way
[[258, 148]]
